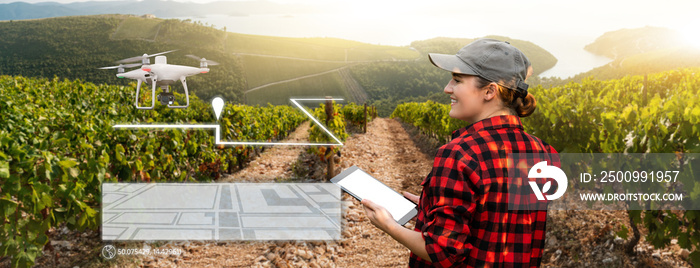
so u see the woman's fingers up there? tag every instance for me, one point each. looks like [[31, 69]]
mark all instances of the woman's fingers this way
[[412, 197], [368, 203], [370, 209], [378, 215]]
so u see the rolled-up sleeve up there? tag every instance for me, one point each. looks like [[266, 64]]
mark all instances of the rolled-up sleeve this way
[[451, 194]]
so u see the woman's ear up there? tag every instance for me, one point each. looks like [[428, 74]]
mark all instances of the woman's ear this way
[[491, 90]]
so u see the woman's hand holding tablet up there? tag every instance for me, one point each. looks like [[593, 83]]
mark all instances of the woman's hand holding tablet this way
[[361, 185]]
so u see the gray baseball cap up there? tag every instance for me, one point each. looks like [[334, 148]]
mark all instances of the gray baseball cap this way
[[491, 59]]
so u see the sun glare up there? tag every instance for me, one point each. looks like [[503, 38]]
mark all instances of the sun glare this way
[[691, 33]]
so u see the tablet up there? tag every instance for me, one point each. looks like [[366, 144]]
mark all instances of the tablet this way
[[361, 185]]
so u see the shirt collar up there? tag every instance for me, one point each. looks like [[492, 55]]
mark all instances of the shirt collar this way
[[496, 122]]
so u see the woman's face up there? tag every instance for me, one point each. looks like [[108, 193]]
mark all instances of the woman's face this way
[[466, 97]]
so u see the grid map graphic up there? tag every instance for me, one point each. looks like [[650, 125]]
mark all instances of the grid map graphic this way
[[220, 211]]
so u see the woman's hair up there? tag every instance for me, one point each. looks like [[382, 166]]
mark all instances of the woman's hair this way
[[523, 107]]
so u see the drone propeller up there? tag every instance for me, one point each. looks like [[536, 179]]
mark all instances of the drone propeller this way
[[130, 65], [202, 60], [140, 58]]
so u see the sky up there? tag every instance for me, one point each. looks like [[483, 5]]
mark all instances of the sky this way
[[590, 18]]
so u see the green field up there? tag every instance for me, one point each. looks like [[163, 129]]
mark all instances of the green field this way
[[138, 28], [260, 70], [358, 51], [314, 87], [315, 48]]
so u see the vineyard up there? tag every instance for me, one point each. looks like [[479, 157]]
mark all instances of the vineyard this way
[[658, 113], [58, 146]]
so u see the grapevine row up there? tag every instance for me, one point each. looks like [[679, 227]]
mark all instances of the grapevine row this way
[[57, 145], [355, 114], [341, 115], [431, 118]]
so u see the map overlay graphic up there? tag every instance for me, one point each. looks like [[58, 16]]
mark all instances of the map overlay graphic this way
[[220, 211]]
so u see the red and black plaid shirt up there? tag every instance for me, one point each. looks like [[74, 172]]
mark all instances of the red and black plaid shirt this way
[[463, 209]]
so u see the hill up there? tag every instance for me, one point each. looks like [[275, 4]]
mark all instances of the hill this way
[[73, 47], [540, 58], [254, 69], [623, 43]]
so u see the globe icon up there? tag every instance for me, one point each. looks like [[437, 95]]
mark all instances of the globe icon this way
[[108, 252]]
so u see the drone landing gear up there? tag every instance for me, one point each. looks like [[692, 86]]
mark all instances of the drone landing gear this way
[[187, 95], [165, 97], [153, 96]]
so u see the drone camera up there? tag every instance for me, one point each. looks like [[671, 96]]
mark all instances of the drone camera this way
[[166, 98]]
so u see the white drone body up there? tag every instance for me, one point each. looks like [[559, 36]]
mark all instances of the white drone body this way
[[160, 74]]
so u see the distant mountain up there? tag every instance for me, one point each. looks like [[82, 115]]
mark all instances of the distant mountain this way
[[21, 10], [640, 51], [626, 42], [164, 9]]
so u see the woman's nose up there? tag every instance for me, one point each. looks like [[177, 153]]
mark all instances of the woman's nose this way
[[448, 88]]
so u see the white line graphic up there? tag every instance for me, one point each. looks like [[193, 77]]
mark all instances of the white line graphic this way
[[217, 129]]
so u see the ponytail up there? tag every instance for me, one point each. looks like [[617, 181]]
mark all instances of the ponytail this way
[[525, 106]]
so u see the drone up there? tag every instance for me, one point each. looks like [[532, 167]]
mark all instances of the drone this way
[[160, 74]]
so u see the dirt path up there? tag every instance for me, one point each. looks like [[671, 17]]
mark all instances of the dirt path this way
[[275, 162], [385, 151]]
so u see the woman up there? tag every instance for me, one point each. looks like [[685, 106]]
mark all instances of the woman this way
[[463, 216]]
